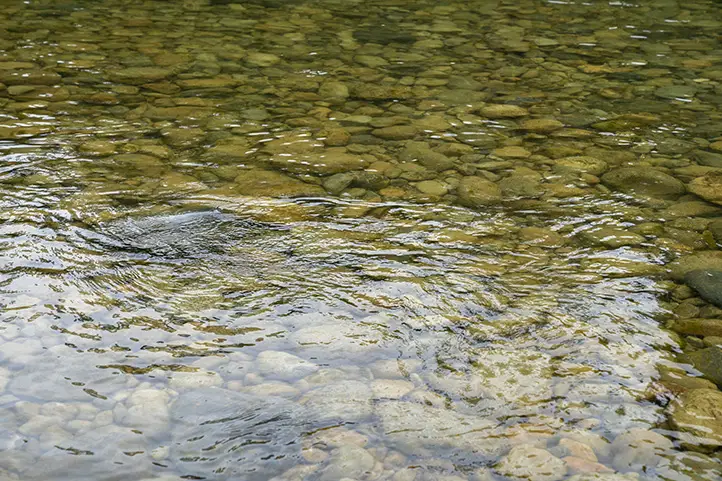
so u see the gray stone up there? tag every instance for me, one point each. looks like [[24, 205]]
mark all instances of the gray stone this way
[[700, 260], [707, 283], [643, 181]]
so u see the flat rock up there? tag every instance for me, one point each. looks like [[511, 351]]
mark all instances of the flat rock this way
[[500, 111], [700, 260], [413, 427], [345, 401], [698, 413], [264, 183], [643, 181], [707, 283], [580, 164], [322, 162], [476, 192], [708, 361], [698, 327], [396, 132], [709, 187], [139, 75], [511, 152], [639, 449], [531, 463], [541, 126], [283, 365]]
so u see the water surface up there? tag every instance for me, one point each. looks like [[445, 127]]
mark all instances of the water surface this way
[[332, 240]]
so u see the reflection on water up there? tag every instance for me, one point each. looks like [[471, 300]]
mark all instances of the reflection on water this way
[[364, 241]]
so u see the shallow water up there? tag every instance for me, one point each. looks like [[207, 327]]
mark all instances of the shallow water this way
[[360, 240]]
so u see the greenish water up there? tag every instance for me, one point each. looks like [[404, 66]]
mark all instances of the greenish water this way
[[386, 240]]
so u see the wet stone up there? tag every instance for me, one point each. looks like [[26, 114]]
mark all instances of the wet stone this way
[[477, 191], [397, 132], [643, 182], [580, 164], [542, 126], [708, 361], [139, 75], [511, 152], [529, 462], [698, 413], [708, 187], [503, 111], [707, 283]]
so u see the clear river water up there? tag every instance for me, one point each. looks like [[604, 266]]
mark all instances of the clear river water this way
[[350, 240]]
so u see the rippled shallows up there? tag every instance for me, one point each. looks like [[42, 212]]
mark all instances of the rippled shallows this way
[[354, 240]]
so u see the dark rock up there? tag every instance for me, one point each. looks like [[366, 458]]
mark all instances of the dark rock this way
[[707, 283]]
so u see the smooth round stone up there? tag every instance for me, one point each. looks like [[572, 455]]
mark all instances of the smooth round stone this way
[[283, 365], [194, 380], [500, 111], [511, 152], [709, 187], [347, 462], [643, 181], [707, 283], [432, 187], [541, 126], [333, 90], [639, 449], [570, 447], [531, 463], [476, 192], [676, 92], [698, 413], [345, 401], [580, 164]]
